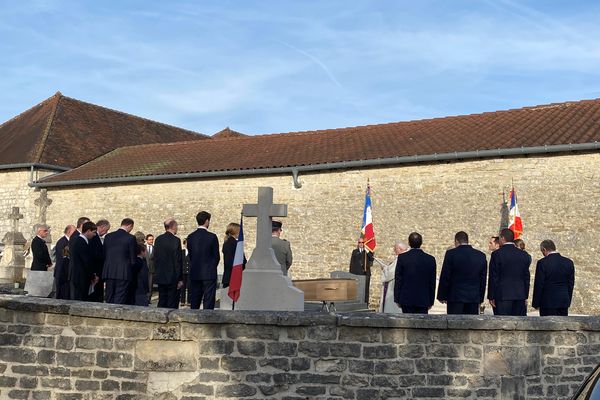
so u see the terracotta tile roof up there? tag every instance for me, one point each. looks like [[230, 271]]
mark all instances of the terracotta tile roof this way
[[227, 133], [67, 132], [554, 124]]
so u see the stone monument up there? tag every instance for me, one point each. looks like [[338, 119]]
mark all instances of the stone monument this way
[[12, 262], [264, 287], [43, 202]]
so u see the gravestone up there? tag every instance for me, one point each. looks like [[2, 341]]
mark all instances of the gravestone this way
[[43, 202], [12, 262], [39, 283], [264, 287]]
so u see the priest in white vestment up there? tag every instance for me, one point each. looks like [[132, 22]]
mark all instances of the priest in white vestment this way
[[388, 272]]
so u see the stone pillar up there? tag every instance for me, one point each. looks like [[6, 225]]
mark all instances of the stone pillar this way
[[264, 287], [12, 262]]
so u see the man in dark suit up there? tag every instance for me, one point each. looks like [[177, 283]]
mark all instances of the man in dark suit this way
[[41, 255], [61, 266], [203, 249], [414, 290], [462, 280], [120, 249], [168, 266], [81, 264], [75, 235], [97, 252], [508, 285], [554, 281], [357, 264]]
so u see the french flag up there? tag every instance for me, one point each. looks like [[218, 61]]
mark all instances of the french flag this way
[[515, 223], [235, 283], [367, 225]]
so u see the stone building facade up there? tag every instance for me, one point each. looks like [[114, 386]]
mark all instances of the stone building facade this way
[[52, 349], [558, 200]]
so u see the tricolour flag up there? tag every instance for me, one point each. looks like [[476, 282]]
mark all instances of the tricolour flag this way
[[367, 225], [515, 223], [235, 283]]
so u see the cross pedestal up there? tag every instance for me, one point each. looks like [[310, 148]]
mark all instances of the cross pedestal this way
[[264, 287], [12, 262]]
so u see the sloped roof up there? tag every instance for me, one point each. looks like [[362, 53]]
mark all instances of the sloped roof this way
[[528, 128], [66, 132], [227, 133]]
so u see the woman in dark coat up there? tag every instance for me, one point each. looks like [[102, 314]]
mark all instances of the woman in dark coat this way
[[229, 246]]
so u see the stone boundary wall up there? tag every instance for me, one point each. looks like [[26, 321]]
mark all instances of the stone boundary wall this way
[[52, 349]]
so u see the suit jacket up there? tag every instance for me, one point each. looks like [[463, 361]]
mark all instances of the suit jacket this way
[[73, 239], [168, 263], [415, 279], [283, 253], [509, 274], [554, 281], [357, 261], [203, 250], [229, 247], [120, 250], [41, 255], [61, 266], [81, 267], [462, 279], [97, 254], [150, 260]]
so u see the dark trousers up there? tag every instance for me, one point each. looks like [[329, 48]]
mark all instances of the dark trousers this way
[[98, 293], [117, 292], [414, 310], [63, 290], [462, 308], [511, 307], [168, 296], [184, 289], [79, 293], [203, 292], [544, 312]]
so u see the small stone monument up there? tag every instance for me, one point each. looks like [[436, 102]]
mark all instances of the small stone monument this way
[[264, 287], [12, 262], [39, 283], [43, 202]]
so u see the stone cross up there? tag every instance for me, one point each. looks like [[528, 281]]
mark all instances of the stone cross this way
[[15, 216], [43, 202], [265, 210]]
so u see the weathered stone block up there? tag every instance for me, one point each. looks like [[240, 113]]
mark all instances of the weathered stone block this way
[[277, 363], [59, 383], [321, 333], [114, 359], [15, 354], [333, 365], [411, 380], [238, 390], [314, 349], [110, 385], [8, 339], [215, 347], [430, 392], [338, 349], [285, 378], [397, 336], [237, 364], [340, 391], [411, 351], [442, 351], [515, 361], [251, 348], [362, 335], [158, 355], [271, 390], [85, 385], [310, 390], [384, 381], [8, 381], [32, 370], [76, 359], [46, 357], [318, 378], [367, 394], [166, 332], [28, 382], [198, 389], [41, 395], [430, 365], [395, 367], [355, 380], [94, 343], [18, 394], [60, 371], [200, 332], [300, 364], [258, 378], [252, 332], [288, 349], [128, 386], [464, 366], [361, 367], [65, 343]]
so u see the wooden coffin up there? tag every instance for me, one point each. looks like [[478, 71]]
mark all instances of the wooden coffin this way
[[327, 289]]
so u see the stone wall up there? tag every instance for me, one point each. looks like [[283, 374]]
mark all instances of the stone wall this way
[[558, 196], [14, 192], [51, 349]]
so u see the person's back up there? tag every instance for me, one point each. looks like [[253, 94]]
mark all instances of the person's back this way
[[203, 251], [167, 259], [415, 278], [467, 281], [554, 282], [119, 250]]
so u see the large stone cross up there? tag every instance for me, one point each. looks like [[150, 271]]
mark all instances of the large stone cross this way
[[15, 216], [43, 202], [265, 210]]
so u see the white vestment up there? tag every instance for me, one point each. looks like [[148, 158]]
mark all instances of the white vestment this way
[[386, 303]]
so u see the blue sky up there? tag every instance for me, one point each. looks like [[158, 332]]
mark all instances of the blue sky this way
[[279, 66]]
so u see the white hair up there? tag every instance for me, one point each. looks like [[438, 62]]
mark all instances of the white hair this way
[[401, 244]]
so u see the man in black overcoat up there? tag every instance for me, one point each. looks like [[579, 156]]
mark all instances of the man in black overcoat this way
[[168, 266], [554, 282], [120, 249], [462, 280]]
